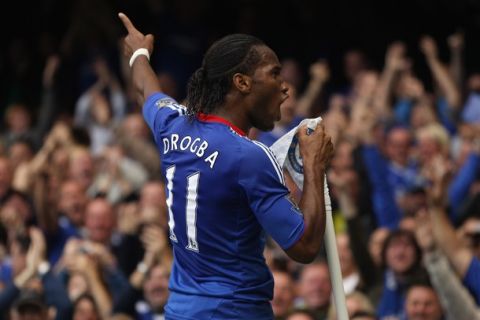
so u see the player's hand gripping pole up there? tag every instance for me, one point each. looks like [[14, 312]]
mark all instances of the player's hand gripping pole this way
[[285, 150], [332, 251]]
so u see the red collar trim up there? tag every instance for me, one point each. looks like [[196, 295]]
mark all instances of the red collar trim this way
[[212, 118]]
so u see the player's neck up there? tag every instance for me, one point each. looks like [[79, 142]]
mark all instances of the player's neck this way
[[237, 119], [233, 110]]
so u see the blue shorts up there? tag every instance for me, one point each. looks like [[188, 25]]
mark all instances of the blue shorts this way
[[190, 307]]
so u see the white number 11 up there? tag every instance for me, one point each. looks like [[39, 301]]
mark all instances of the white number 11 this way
[[191, 207]]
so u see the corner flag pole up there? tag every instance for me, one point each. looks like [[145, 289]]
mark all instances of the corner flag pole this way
[[332, 258]]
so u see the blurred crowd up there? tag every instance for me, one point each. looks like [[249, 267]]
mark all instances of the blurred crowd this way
[[83, 218], [405, 184]]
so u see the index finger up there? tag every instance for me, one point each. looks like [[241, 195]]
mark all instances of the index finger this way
[[127, 23]]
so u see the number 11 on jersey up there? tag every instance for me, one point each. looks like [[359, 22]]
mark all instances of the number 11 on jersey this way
[[190, 210]]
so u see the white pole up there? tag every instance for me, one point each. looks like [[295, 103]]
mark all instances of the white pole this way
[[281, 148], [333, 260]]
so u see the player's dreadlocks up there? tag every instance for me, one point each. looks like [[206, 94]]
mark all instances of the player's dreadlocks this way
[[209, 85]]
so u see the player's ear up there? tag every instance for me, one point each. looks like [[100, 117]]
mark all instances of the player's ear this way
[[242, 82]]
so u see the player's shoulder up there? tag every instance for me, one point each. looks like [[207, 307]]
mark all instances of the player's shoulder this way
[[251, 148], [160, 109], [261, 157], [160, 100], [257, 148]]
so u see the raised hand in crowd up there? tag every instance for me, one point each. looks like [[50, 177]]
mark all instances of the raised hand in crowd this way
[[319, 71], [444, 232], [395, 58], [455, 299], [429, 47], [424, 231], [97, 251], [34, 257], [362, 124], [439, 173], [411, 87], [87, 266], [155, 242], [395, 62], [157, 251], [456, 43], [319, 75], [101, 107], [440, 73], [51, 67], [118, 176], [58, 140]]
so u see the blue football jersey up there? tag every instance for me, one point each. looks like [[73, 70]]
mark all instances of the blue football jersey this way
[[225, 192]]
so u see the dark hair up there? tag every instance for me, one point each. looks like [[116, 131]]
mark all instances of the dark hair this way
[[81, 136], [23, 240], [88, 297], [397, 234], [22, 140], [209, 85], [31, 218], [363, 314], [30, 303], [424, 282], [305, 312]]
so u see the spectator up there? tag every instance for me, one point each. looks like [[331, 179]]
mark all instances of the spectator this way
[[29, 306], [98, 243], [148, 285], [407, 157], [315, 289], [462, 258], [283, 294], [401, 257], [86, 308], [31, 273], [101, 108], [422, 302], [454, 297]]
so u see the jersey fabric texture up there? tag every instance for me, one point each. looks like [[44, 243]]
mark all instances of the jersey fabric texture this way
[[225, 193]]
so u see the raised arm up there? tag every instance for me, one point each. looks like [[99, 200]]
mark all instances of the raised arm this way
[[443, 231], [144, 78], [316, 150], [395, 62], [455, 43], [456, 300], [319, 74], [440, 72]]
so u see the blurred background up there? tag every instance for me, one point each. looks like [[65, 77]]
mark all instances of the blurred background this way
[[304, 30], [83, 216]]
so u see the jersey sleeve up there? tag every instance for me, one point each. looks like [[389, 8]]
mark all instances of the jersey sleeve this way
[[262, 180], [159, 109]]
